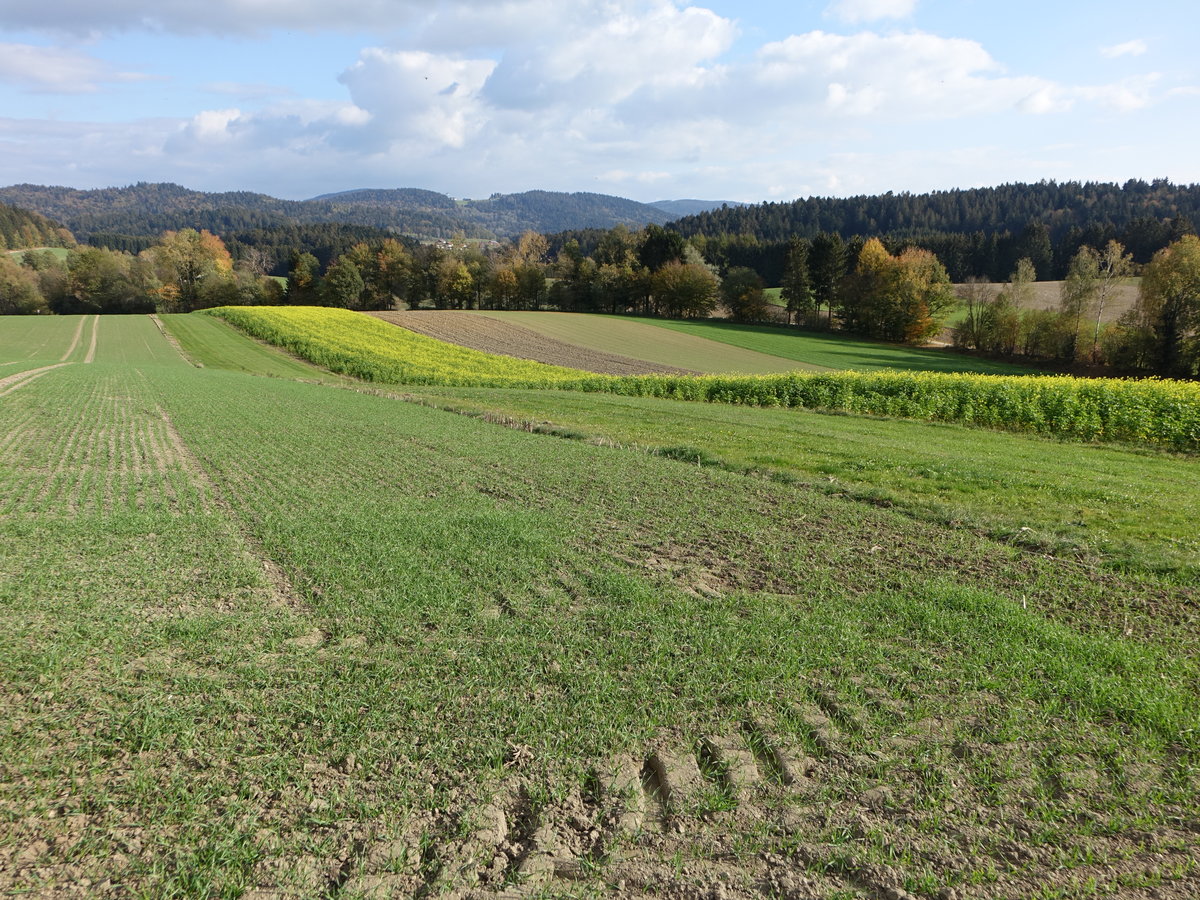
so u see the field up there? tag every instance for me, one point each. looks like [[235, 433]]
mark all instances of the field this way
[[290, 637], [59, 252], [816, 350], [711, 346], [630, 337], [504, 336]]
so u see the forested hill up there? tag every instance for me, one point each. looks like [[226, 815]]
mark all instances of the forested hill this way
[[21, 229], [150, 209], [677, 208], [1010, 207]]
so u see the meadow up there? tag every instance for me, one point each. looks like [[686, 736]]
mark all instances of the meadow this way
[[294, 636]]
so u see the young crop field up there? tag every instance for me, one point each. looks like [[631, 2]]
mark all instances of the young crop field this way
[[270, 638], [827, 351], [1159, 413], [638, 338], [500, 335], [1109, 505]]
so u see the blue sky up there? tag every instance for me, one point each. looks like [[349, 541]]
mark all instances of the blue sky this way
[[648, 99]]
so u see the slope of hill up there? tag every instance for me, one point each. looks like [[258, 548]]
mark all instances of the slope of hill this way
[[21, 229], [149, 209], [1009, 207]]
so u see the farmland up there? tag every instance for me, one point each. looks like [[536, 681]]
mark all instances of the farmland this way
[[1151, 412], [273, 637], [710, 346]]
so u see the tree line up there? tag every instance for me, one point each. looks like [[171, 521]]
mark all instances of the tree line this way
[[861, 287], [20, 228], [1160, 333]]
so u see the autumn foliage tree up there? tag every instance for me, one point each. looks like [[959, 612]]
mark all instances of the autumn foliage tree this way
[[1168, 308], [897, 298], [192, 264]]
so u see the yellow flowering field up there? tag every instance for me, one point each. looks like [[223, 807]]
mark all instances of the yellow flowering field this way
[[1147, 411]]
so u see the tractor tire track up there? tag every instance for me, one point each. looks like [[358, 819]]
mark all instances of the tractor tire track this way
[[91, 353], [74, 340], [10, 383]]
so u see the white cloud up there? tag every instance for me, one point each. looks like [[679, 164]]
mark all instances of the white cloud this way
[[417, 95], [1130, 48], [637, 95], [213, 17], [604, 54], [57, 71], [892, 76], [857, 11]]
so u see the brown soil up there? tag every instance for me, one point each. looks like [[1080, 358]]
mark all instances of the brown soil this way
[[494, 336]]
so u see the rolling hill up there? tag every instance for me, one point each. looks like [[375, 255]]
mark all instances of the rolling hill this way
[[149, 209]]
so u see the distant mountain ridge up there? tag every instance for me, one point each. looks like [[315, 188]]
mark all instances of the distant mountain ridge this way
[[151, 208], [680, 208]]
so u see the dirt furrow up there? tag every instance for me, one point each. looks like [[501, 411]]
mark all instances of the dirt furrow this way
[[494, 336], [74, 340], [91, 354], [10, 383]]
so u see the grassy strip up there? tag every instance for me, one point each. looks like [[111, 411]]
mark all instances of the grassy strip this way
[[1118, 504], [837, 351], [1151, 412], [214, 343]]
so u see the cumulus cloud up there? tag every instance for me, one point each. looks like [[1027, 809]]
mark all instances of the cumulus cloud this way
[[478, 96], [1129, 48], [57, 71], [418, 95], [858, 11], [899, 75]]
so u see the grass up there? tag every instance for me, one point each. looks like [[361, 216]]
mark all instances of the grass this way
[[1152, 412], [29, 340], [1122, 505], [215, 344], [828, 351], [60, 253], [255, 629]]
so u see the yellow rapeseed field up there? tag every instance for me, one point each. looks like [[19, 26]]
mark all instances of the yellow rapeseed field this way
[[1149, 411]]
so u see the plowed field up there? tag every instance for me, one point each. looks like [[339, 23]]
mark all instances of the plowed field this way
[[495, 336]]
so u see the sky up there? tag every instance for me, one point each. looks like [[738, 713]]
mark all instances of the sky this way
[[647, 99]]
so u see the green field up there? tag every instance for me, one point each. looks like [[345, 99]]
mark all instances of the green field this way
[[828, 351], [1122, 506], [213, 343], [265, 637], [59, 252]]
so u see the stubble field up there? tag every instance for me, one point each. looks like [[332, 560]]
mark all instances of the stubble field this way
[[268, 637]]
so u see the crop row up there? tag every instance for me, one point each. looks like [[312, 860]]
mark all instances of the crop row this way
[[1150, 411]]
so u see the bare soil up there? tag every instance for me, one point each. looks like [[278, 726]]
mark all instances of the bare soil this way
[[493, 336]]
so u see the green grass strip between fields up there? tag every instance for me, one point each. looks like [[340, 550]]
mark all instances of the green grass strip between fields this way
[[1162, 413]]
